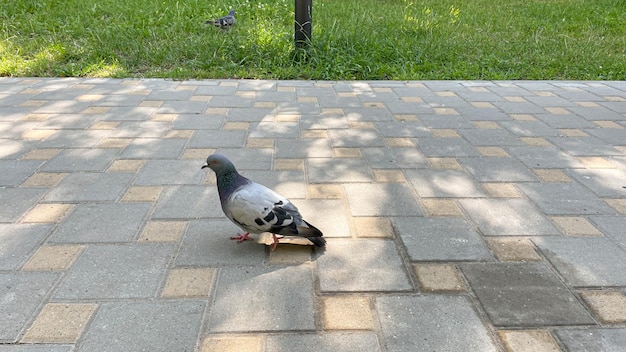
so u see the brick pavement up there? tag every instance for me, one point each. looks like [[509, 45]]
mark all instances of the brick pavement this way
[[460, 216]]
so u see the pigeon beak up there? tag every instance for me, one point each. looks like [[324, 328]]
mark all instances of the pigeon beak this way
[[205, 165]]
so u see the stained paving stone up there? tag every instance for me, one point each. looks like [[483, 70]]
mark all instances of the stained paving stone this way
[[513, 249], [260, 285], [213, 236], [524, 295], [347, 313], [361, 265], [508, 217], [594, 261], [528, 341], [327, 342], [575, 226], [188, 282], [439, 239], [116, 271], [165, 326], [18, 242], [608, 306], [92, 223], [388, 199], [444, 183], [439, 278], [22, 294], [426, 323], [565, 199], [51, 258], [59, 323], [582, 340], [89, 186]]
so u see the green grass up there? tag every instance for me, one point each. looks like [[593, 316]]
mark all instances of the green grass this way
[[352, 39]]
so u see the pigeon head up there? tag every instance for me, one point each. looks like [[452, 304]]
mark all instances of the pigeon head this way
[[220, 164]]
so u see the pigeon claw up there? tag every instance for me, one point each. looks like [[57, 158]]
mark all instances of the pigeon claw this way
[[242, 238], [275, 243]]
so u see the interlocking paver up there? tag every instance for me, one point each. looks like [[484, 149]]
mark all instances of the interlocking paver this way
[[456, 213], [582, 340], [438, 239], [524, 294], [425, 323]]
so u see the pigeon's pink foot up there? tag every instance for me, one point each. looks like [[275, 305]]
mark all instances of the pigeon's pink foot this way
[[273, 245], [242, 238]]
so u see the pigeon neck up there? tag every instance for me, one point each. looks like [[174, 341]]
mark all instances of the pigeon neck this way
[[227, 182]]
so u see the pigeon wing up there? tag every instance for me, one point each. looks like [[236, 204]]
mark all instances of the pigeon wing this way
[[257, 209]]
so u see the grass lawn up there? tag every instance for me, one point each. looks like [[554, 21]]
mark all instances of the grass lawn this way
[[352, 39]]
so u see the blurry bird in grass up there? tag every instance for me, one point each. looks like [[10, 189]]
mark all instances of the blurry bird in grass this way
[[224, 22]]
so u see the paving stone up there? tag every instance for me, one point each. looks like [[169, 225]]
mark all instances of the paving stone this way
[[347, 313], [112, 222], [47, 213], [361, 265], [439, 278], [372, 227], [351, 138], [386, 199], [163, 231], [594, 261], [440, 239], [613, 227], [51, 258], [217, 139], [170, 172], [59, 323], [36, 348], [584, 146], [233, 343], [565, 199], [188, 282], [333, 170], [198, 121], [14, 202], [524, 295], [529, 128], [446, 147], [394, 158], [406, 129], [551, 175], [483, 137], [575, 226], [542, 157], [508, 217], [327, 342], [18, 242], [443, 183], [188, 202], [501, 190], [15, 172], [582, 340], [86, 186], [207, 243], [116, 271], [609, 306], [318, 211], [498, 169], [426, 323], [528, 341], [149, 148], [604, 183], [116, 326], [22, 295], [441, 207], [74, 139], [81, 160], [513, 249], [261, 285]]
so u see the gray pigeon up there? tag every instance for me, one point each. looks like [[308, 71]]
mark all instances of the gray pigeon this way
[[224, 22], [256, 208]]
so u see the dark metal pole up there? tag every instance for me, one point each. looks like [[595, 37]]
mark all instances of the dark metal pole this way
[[303, 23]]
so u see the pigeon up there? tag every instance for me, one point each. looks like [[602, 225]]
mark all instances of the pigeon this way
[[256, 208], [224, 22]]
